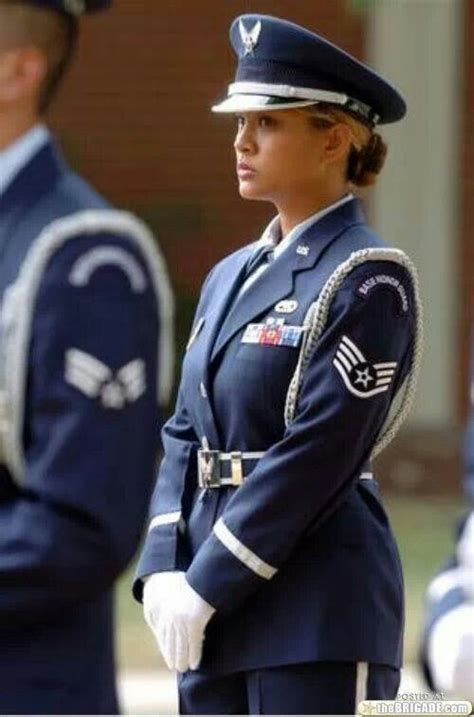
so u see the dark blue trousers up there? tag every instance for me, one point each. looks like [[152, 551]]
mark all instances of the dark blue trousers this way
[[311, 688]]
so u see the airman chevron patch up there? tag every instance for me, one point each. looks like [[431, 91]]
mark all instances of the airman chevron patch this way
[[97, 380], [362, 378]]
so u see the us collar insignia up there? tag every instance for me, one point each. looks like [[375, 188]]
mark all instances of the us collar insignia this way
[[250, 39], [302, 249]]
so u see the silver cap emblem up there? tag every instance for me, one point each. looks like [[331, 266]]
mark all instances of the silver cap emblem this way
[[250, 39]]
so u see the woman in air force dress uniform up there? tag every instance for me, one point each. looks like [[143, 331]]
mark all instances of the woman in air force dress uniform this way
[[270, 575]]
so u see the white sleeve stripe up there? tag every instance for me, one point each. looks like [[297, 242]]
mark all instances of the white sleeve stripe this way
[[362, 678], [165, 519], [386, 364], [242, 553]]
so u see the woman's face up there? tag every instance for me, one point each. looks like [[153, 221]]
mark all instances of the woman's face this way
[[280, 154]]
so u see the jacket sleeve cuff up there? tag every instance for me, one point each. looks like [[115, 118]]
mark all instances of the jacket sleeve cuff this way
[[165, 551], [225, 571]]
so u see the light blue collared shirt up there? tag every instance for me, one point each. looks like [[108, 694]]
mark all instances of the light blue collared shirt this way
[[272, 235], [18, 154]]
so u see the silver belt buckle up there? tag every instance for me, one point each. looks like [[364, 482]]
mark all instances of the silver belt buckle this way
[[236, 471], [209, 468]]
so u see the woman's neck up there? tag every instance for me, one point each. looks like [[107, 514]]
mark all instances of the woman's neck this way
[[293, 213]]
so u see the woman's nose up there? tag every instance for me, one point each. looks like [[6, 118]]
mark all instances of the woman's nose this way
[[243, 141]]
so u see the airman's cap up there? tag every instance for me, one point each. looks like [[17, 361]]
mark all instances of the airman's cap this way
[[76, 8], [282, 65]]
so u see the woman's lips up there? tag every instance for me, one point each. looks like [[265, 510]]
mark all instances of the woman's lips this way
[[245, 171]]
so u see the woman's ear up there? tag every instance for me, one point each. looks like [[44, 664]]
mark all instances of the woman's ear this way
[[338, 142]]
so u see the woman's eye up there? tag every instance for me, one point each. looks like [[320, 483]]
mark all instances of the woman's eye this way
[[266, 121]]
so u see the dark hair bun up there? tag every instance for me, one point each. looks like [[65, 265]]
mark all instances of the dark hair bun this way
[[366, 163]]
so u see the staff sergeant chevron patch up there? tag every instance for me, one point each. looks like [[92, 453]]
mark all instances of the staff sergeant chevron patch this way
[[362, 378]]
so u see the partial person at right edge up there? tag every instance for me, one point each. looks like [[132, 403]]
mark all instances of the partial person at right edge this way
[[447, 651], [85, 369]]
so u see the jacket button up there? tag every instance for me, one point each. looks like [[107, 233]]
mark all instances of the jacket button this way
[[203, 390]]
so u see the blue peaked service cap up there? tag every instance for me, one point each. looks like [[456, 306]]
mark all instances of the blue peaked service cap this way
[[76, 8], [282, 65]]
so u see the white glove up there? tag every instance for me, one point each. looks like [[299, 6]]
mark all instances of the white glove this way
[[177, 616], [156, 589]]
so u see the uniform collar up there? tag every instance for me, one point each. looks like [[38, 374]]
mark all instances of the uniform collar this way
[[19, 153], [277, 281], [272, 234]]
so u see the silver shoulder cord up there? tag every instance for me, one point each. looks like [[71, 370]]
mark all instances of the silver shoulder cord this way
[[315, 322]]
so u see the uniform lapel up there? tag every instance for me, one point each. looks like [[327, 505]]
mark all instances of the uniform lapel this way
[[35, 179], [213, 316], [277, 282], [224, 300]]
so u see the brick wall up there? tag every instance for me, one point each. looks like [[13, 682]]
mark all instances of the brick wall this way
[[134, 117]]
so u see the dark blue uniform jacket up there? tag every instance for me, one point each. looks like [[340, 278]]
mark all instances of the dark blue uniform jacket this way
[[71, 521], [300, 561]]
